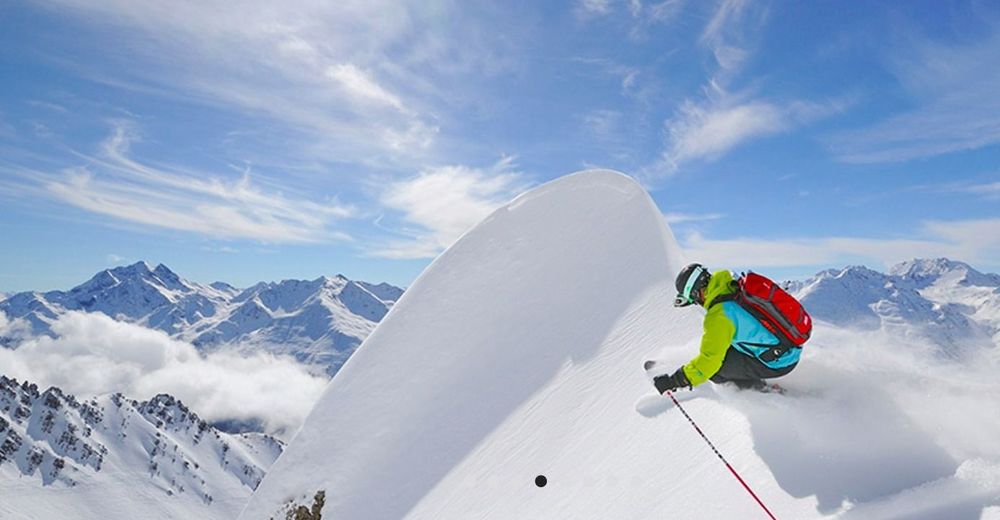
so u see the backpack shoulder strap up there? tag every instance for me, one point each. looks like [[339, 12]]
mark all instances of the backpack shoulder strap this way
[[731, 297], [723, 298]]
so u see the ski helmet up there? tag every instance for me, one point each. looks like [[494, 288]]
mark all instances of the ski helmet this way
[[690, 281]]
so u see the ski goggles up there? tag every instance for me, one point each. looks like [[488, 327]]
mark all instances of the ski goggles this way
[[684, 298]]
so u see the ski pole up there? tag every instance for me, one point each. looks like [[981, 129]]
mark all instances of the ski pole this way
[[723, 459]]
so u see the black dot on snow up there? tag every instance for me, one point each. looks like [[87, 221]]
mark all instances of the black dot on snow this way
[[540, 481]]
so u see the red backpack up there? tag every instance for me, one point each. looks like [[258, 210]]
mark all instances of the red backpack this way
[[773, 307]]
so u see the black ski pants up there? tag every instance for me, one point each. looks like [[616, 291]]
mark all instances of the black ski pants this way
[[745, 371]]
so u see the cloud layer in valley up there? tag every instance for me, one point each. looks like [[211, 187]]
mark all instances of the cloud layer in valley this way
[[92, 354]]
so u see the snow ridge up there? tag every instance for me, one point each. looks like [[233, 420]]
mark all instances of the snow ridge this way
[[511, 339]]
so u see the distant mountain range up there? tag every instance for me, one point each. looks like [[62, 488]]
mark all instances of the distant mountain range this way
[[320, 322], [112, 449], [942, 301]]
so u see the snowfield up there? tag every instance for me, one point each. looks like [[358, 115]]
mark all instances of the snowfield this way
[[518, 353]]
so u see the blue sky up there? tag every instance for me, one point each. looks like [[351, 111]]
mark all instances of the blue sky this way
[[267, 141]]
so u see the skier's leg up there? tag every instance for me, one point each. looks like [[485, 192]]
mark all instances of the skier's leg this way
[[739, 369], [746, 371], [737, 365]]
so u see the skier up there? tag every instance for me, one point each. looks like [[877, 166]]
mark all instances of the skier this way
[[735, 346]]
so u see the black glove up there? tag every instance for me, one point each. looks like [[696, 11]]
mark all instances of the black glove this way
[[672, 382]]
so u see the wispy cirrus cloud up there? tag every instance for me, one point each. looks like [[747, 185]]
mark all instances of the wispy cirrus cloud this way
[[47, 105], [680, 218], [975, 240], [707, 129], [627, 76], [644, 14], [726, 35], [356, 79], [360, 85], [708, 126], [990, 189], [593, 7], [987, 190], [114, 184], [955, 106], [440, 204]]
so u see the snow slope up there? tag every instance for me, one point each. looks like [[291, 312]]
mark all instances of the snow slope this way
[[517, 353]]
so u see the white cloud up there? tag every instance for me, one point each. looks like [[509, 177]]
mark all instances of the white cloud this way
[[604, 124], [711, 127], [990, 189], [987, 190], [708, 126], [359, 84], [978, 240], [700, 131], [955, 106], [16, 328], [725, 35], [48, 106], [643, 15], [629, 77], [444, 203], [594, 7], [969, 240], [680, 218], [92, 354], [116, 185], [315, 68]]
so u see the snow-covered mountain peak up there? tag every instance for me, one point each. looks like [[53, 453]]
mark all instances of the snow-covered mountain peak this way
[[850, 274], [62, 458], [132, 281], [224, 288], [333, 283], [166, 411], [138, 268], [922, 267], [941, 300], [318, 321], [942, 271], [169, 278]]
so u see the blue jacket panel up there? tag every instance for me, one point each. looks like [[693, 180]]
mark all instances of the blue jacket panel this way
[[754, 339]]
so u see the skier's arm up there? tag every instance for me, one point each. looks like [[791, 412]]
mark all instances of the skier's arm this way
[[718, 335]]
